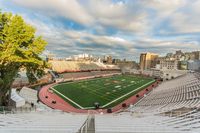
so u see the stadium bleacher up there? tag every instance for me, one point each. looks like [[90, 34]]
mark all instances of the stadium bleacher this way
[[40, 122], [178, 93], [31, 97], [75, 66], [126, 123], [92, 74], [148, 122]]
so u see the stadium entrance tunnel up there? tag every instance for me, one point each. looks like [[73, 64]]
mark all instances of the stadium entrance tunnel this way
[[124, 105], [109, 110], [96, 105]]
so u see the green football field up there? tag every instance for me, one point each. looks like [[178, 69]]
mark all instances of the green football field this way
[[108, 91]]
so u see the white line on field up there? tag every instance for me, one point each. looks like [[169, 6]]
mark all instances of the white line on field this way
[[68, 98], [89, 107], [127, 94]]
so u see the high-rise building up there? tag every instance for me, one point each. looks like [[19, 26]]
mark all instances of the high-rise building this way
[[148, 60], [169, 63]]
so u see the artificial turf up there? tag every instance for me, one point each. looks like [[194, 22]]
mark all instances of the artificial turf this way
[[108, 91]]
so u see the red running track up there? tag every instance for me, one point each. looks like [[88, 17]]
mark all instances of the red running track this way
[[65, 106]]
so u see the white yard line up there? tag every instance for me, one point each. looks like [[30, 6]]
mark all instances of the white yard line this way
[[68, 98], [89, 107], [127, 93]]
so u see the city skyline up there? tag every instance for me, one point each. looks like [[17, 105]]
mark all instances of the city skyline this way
[[120, 28], [164, 55]]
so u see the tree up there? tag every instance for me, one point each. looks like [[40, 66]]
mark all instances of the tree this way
[[19, 49]]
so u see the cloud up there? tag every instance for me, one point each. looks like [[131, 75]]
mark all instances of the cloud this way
[[63, 42], [176, 16], [164, 8], [187, 21], [124, 16], [138, 17], [123, 29], [92, 12], [70, 9]]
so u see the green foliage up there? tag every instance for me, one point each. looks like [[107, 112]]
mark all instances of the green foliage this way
[[19, 49]]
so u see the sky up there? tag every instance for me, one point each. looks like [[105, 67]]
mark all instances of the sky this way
[[120, 28]]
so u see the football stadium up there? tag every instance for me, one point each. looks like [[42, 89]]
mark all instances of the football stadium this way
[[103, 99], [98, 87], [99, 66]]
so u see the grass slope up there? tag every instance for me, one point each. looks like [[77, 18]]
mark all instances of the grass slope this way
[[103, 90]]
